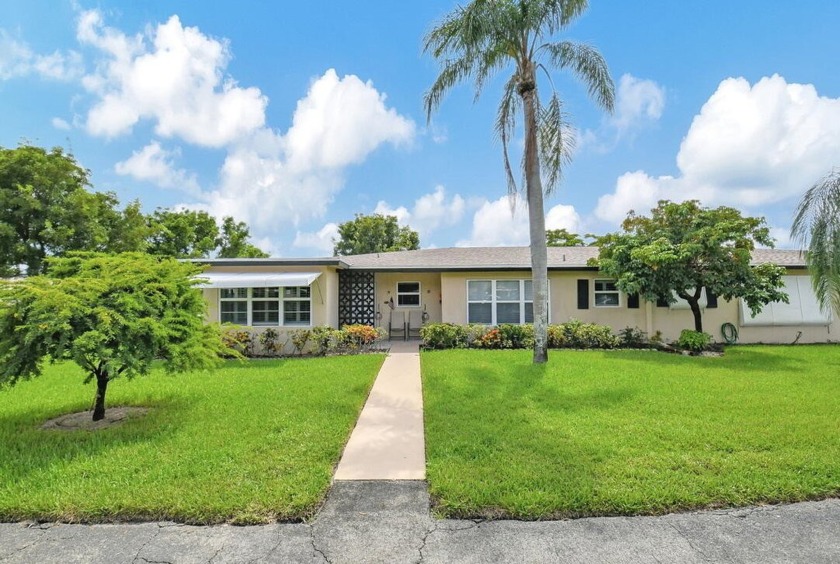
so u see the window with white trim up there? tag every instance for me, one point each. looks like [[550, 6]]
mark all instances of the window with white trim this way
[[260, 307], [491, 302], [408, 294], [606, 294]]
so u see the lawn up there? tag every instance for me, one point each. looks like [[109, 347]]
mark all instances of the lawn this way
[[249, 443], [629, 432]]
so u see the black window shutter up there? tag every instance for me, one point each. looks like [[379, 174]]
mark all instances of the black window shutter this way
[[661, 302], [583, 294], [633, 301], [711, 299]]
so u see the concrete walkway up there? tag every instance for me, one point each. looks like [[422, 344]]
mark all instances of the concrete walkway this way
[[388, 441]]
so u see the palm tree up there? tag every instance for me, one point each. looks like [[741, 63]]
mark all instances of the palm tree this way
[[485, 37], [817, 226]]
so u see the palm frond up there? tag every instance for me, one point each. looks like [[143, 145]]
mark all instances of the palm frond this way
[[453, 72], [505, 125], [552, 16], [589, 66], [816, 225], [556, 140]]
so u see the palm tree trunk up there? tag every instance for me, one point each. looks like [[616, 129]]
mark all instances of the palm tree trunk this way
[[536, 220]]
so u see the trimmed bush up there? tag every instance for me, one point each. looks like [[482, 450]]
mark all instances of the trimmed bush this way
[[446, 336], [238, 339], [633, 338], [579, 335], [573, 334], [516, 336], [694, 341]]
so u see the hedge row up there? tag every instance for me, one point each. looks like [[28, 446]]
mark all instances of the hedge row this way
[[322, 340], [574, 334]]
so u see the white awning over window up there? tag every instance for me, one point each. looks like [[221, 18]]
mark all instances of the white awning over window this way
[[256, 279]]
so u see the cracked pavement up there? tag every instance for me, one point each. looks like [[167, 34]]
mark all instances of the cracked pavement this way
[[381, 521]]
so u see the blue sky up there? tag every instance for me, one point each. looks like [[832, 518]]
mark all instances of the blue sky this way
[[296, 116]]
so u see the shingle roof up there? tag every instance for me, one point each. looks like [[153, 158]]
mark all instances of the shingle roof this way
[[470, 258], [514, 258], [476, 258]]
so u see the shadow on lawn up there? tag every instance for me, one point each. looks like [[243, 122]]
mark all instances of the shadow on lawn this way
[[512, 415], [28, 452], [747, 359]]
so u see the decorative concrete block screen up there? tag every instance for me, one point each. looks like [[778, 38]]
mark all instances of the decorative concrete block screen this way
[[356, 297]]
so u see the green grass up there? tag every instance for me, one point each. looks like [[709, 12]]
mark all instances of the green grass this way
[[630, 432], [248, 443]]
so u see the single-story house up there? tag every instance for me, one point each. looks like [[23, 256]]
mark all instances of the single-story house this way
[[488, 286]]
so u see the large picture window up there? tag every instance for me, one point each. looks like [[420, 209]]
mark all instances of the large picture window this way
[[491, 302], [261, 307]]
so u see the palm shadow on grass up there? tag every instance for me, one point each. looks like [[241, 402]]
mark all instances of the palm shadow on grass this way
[[541, 458]]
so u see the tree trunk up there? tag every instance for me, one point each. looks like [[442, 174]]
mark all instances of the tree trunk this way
[[536, 220], [698, 318], [694, 303], [99, 405]]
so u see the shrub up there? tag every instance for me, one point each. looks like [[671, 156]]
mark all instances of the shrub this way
[[363, 334], [694, 341], [444, 336], [325, 339], [556, 337], [474, 333], [579, 335], [237, 339], [299, 338], [492, 339], [633, 338], [270, 342], [516, 336]]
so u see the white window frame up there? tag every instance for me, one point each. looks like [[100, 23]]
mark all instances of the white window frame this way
[[418, 293], [249, 300], [494, 301], [596, 292]]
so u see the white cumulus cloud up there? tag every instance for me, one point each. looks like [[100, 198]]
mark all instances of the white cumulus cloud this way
[[322, 240], [750, 145], [637, 101], [59, 123], [430, 211], [154, 164], [340, 122], [17, 60], [173, 76], [272, 180], [494, 225]]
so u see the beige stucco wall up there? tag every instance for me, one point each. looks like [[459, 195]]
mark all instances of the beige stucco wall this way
[[444, 297], [324, 297], [648, 317], [430, 293]]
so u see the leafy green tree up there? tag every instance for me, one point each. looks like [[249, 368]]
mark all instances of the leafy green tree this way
[[375, 233], [816, 225], [113, 315], [683, 248], [485, 37], [182, 233], [130, 230], [562, 238], [233, 241], [45, 208]]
